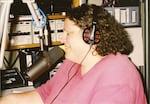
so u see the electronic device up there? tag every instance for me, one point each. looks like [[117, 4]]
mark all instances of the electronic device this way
[[47, 61], [90, 34], [56, 29], [126, 16], [11, 78]]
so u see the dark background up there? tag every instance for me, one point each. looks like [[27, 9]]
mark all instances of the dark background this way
[[19, 8]]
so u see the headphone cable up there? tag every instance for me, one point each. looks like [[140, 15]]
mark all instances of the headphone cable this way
[[69, 79]]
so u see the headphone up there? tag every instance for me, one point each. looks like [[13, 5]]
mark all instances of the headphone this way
[[91, 35]]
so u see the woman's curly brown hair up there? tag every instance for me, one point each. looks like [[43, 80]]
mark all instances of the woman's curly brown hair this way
[[113, 37]]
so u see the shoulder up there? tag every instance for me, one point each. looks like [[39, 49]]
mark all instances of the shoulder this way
[[116, 62], [117, 69]]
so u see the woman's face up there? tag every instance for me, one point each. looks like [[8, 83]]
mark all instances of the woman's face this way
[[75, 47]]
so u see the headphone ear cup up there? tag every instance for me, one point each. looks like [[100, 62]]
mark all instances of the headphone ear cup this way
[[96, 37], [86, 35], [91, 38]]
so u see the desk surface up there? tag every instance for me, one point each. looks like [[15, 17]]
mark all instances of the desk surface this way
[[16, 90]]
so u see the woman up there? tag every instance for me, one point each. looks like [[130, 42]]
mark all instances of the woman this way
[[96, 70]]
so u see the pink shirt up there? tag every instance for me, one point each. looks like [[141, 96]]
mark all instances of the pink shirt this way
[[113, 80]]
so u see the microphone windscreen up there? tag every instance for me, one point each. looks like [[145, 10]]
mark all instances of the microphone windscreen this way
[[45, 62]]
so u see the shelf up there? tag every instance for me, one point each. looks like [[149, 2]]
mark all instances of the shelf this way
[[56, 17], [29, 18], [24, 46], [34, 45]]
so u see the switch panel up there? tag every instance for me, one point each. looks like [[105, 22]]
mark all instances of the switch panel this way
[[56, 27], [127, 16]]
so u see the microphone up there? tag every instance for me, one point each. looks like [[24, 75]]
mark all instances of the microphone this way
[[46, 61]]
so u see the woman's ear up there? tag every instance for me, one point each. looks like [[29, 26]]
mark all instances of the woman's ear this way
[[94, 52]]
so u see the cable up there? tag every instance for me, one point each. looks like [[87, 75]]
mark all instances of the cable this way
[[86, 53], [69, 79], [9, 65], [43, 20]]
